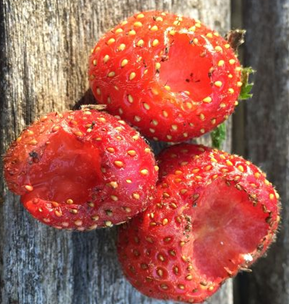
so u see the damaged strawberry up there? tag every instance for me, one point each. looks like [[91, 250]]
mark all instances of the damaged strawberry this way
[[170, 76], [81, 170], [214, 215]]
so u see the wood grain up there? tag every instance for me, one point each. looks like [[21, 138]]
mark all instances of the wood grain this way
[[44, 50], [267, 135]]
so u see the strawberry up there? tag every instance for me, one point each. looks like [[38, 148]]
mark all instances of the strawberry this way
[[81, 170], [214, 214], [169, 76]]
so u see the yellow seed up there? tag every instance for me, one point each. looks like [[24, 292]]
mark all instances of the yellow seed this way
[[124, 62], [110, 41], [239, 83], [122, 47], [98, 92], [232, 61], [154, 28], [230, 76], [185, 134], [271, 196], [158, 66], [119, 163], [165, 114], [241, 168], [146, 106], [257, 174], [231, 90], [202, 131], [130, 98], [174, 127], [202, 116], [221, 63], [155, 42], [111, 74], [159, 19], [28, 188], [154, 122], [168, 88], [111, 150], [69, 201], [132, 75], [140, 43], [172, 32], [119, 30], [94, 62], [139, 16], [137, 118], [114, 198], [131, 152], [209, 35], [136, 196], [222, 105], [165, 221], [218, 48], [229, 163], [144, 172], [207, 99], [169, 137], [218, 83], [132, 32], [129, 181], [78, 222], [156, 168], [152, 130], [108, 223], [137, 24], [227, 45]]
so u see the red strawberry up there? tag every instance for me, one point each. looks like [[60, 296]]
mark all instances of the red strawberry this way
[[214, 215], [81, 170], [168, 75]]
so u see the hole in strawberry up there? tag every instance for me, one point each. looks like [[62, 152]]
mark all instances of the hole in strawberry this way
[[227, 228], [66, 172], [186, 67]]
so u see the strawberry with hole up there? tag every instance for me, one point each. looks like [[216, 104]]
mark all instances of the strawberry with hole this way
[[214, 214], [81, 170], [168, 75]]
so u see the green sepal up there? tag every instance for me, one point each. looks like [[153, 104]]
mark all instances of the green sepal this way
[[218, 135], [246, 88]]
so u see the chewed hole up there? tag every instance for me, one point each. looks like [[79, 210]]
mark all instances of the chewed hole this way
[[68, 171], [186, 68], [227, 229]]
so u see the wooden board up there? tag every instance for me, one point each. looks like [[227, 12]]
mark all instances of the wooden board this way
[[44, 50], [267, 136]]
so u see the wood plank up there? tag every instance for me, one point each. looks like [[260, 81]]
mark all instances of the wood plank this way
[[44, 48], [267, 140]]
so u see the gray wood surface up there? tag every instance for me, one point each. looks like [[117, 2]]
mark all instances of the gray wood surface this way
[[267, 130], [44, 48]]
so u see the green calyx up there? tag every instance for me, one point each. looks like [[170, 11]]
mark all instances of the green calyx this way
[[247, 86], [218, 135]]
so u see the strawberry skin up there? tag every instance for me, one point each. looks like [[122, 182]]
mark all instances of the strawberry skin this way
[[214, 214], [170, 76], [81, 170]]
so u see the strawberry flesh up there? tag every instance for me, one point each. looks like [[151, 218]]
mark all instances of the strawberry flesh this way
[[226, 225], [68, 169], [183, 71]]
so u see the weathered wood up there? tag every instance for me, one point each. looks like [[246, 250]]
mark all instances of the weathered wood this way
[[44, 48], [267, 135]]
